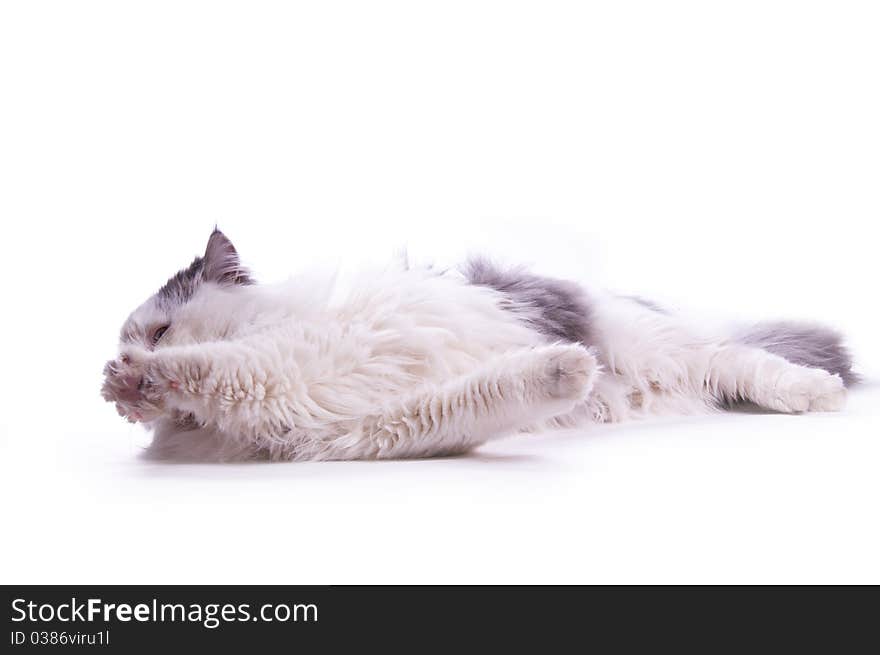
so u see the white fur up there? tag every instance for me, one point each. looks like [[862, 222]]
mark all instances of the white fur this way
[[408, 363]]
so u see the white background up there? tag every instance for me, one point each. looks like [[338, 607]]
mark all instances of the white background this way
[[720, 156]]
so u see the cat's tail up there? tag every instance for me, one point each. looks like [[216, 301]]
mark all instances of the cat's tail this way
[[806, 344]]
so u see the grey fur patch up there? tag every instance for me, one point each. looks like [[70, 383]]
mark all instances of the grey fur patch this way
[[183, 284], [556, 308], [803, 343], [220, 264]]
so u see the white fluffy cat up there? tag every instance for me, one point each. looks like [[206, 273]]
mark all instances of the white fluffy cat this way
[[415, 362]]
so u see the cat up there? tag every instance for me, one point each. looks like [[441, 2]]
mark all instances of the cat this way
[[415, 362]]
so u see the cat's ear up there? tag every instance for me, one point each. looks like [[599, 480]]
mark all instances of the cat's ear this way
[[221, 262]]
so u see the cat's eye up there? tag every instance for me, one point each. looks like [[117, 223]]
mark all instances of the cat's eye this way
[[158, 332]]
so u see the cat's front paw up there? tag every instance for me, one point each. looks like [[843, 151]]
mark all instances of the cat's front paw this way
[[809, 389], [132, 382]]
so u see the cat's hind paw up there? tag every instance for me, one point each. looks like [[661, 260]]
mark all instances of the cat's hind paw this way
[[809, 389], [829, 395], [569, 372]]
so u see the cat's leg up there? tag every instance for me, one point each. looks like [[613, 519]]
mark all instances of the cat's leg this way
[[235, 386], [507, 394], [739, 372], [246, 393]]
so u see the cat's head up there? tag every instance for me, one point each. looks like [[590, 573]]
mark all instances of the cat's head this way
[[193, 305]]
